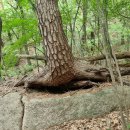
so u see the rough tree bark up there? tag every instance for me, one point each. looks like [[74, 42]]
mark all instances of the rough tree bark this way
[[59, 57]]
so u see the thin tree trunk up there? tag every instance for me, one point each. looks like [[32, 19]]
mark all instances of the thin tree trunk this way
[[84, 10], [1, 43], [111, 58], [73, 25], [23, 33]]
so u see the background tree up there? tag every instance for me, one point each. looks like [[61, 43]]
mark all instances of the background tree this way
[[1, 44]]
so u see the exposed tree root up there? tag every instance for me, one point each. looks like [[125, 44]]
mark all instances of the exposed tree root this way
[[84, 76], [82, 84]]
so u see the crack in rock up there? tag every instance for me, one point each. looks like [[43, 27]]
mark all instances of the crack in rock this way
[[23, 106], [11, 111]]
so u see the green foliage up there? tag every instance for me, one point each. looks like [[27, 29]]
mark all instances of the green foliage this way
[[14, 24], [128, 126], [18, 71], [20, 26], [120, 8], [66, 11]]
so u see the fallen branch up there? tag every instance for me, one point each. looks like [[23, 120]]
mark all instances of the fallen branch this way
[[125, 72], [123, 55], [34, 57], [124, 65]]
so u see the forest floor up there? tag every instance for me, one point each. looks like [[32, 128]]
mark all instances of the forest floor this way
[[111, 121]]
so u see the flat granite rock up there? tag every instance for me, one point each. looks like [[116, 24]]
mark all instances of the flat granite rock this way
[[24, 113], [11, 112], [43, 113]]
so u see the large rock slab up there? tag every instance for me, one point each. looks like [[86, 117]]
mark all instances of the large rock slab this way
[[11, 112], [42, 113], [24, 113]]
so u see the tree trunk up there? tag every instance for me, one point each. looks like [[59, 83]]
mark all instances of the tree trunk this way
[[1, 43], [84, 38], [23, 33], [60, 60]]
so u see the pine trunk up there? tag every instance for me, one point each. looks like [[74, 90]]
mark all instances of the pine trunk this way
[[60, 60]]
